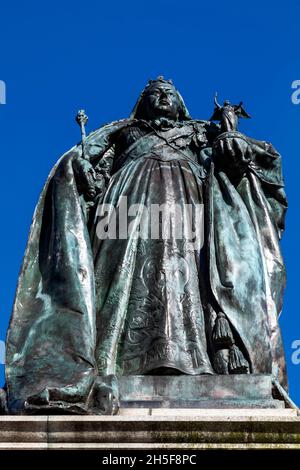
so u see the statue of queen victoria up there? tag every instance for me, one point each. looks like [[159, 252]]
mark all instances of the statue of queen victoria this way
[[97, 300]]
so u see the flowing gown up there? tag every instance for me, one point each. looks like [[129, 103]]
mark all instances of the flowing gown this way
[[150, 288]]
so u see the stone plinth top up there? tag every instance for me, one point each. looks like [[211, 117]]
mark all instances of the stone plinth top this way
[[154, 428]]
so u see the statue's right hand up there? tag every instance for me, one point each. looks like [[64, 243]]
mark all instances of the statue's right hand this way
[[85, 176]]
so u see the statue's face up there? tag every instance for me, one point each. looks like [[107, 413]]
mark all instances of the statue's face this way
[[161, 101]]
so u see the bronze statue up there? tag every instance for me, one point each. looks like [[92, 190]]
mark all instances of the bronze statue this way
[[95, 301], [228, 114]]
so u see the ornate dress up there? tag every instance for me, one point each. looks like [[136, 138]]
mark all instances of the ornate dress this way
[[150, 291]]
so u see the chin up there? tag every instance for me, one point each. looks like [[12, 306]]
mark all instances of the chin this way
[[161, 112]]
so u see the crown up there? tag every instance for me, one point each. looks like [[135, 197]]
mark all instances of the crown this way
[[159, 79]]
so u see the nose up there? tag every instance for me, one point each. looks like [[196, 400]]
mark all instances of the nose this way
[[163, 95]]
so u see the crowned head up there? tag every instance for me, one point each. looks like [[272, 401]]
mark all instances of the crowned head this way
[[160, 99]]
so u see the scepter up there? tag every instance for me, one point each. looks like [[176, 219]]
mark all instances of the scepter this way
[[82, 119]]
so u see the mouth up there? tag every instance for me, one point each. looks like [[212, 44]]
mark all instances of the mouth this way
[[164, 103]]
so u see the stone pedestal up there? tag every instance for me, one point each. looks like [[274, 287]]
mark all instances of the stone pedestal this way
[[155, 429], [169, 412]]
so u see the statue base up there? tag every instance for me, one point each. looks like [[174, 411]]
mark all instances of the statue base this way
[[162, 429], [202, 391], [169, 412]]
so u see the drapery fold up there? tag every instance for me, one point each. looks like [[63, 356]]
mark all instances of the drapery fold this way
[[247, 273], [51, 337]]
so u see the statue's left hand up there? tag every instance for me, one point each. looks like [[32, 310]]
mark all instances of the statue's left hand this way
[[232, 151]]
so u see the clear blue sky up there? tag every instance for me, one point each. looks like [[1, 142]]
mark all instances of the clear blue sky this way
[[59, 56]]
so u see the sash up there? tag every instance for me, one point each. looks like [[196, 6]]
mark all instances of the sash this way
[[152, 143]]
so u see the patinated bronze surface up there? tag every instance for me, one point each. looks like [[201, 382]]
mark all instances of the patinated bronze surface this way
[[89, 309]]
